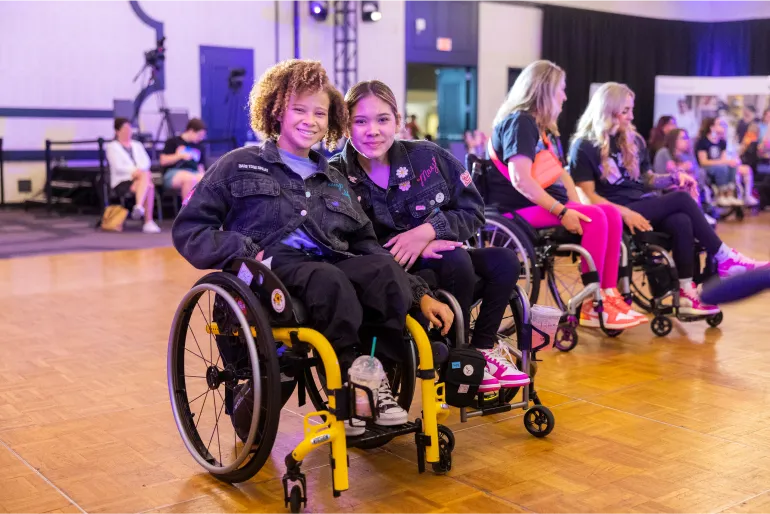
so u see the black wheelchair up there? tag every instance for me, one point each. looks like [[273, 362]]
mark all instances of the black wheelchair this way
[[653, 278]]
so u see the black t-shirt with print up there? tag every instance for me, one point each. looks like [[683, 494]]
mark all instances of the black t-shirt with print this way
[[585, 165], [194, 149], [713, 150], [516, 135]]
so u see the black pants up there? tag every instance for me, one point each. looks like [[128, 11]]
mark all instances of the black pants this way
[[349, 301], [489, 274], [678, 215]]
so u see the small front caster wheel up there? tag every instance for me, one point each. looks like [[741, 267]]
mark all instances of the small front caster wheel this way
[[566, 338], [539, 421], [715, 320], [296, 500], [661, 326]]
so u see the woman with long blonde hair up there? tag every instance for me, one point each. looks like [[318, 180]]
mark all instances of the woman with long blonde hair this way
[[524, 127], [608, 161]]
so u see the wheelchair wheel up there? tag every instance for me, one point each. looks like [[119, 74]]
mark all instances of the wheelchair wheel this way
[[223, 378], [563, 280], [715, 320], [499, 231], [539, 421], [640, 284]]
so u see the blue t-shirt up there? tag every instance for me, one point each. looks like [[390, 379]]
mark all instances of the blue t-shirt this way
[[516, 135], [304, 167]]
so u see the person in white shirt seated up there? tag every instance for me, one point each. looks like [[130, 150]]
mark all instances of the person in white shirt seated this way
[[130, 172]]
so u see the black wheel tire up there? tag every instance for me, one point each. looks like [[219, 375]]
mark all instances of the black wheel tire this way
[[448, 436], [566, 338], [444, 464], [715, 320], [661, 326], [539, 421], [269, 374], [295, 499], [612, 333]]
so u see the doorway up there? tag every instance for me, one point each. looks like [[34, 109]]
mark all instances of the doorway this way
[[443, 100]]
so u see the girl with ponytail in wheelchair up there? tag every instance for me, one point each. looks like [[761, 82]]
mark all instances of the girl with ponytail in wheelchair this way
[[423, 203], [608, 160], [534, 183]]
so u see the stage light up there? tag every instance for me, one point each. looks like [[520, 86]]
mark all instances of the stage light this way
[[319, 10], [370, 11]]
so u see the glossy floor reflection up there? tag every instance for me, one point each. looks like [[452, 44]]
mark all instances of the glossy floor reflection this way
[[643, 424]]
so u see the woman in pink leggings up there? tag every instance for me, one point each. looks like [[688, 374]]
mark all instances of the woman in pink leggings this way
[[524, 126]]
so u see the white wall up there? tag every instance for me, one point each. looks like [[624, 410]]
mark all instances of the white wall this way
[[382, 49], [83, 55], [509, 36]]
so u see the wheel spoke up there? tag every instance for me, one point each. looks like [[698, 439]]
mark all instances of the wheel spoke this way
[[189, 327]]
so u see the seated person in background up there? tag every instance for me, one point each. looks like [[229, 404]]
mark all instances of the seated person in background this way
[[524, 127], [675, 158], [608, 162], [658, 134], [130, 172], [749, 117], [712, 156], [184, 159]]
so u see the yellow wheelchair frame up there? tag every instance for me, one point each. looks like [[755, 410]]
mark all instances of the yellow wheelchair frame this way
[[434, 442]]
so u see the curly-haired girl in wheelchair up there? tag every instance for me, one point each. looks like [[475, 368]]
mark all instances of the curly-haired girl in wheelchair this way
[[423, 202], [280, 202], [535, 184], [608, 160]]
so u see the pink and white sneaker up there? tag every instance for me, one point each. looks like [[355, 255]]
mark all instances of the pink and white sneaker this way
[[690, 304], [501, 368], [489, 384], [738, 264]]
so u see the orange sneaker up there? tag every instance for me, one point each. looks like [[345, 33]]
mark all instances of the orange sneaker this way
[[614, 319], [620, 304]]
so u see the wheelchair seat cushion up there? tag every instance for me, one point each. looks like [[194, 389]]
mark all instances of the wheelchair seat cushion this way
[[558, 235], [654, 238], [300, 312]]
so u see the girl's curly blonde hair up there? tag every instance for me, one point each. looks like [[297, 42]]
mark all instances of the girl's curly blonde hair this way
[[271, 93]]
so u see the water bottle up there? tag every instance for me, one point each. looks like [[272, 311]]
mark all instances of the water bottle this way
[[366, 371]]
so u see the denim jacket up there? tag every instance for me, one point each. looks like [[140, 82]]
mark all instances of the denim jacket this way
[[427, 184], [257, 200]]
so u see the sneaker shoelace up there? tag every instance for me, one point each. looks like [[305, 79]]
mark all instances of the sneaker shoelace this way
[[385, 395], [501, 352]]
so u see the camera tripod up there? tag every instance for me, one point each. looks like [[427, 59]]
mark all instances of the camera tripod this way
[[161, 101]]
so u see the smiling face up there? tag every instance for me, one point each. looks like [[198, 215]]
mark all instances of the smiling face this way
[[304, 123], [373, 127]]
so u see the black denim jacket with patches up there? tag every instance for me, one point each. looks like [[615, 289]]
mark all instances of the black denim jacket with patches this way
[[249, 200], [427, 184]]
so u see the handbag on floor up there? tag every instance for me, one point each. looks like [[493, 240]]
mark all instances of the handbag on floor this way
[[113, 218]]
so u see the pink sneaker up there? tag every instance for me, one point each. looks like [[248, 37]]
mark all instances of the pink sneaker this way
[[737, 264], [489, 384], [690, 304], [501, 368]]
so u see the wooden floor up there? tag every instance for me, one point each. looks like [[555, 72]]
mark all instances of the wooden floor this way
[[676, 424]]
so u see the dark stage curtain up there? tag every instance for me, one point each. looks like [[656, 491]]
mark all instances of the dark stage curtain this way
[[594, 46]]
